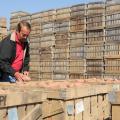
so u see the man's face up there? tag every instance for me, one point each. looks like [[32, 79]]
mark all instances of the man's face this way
[[23, 34]]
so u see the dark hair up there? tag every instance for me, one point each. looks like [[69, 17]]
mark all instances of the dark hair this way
[[21, 24]]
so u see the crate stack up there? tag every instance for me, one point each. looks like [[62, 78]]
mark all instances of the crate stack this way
[[3, 27], [77, 63], [43, 37], [112, 43], [35, 46], [61, 48], [95, 30], [18, 16], [47, 43]]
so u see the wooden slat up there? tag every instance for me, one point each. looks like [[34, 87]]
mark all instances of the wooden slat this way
[[22, 98], [35, 113]]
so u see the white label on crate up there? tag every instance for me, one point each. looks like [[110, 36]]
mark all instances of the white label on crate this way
[[70, 109], [79, 107]]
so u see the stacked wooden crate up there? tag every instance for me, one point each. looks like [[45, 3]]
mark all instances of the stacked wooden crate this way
[[112, 42], [47, 42], [3, 27], [35, 46], [77, 63], [61, 48], [94, 47], [19, 104], [81, 99], [18, 16]]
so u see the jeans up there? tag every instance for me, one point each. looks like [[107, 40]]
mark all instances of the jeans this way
[[8, 78]]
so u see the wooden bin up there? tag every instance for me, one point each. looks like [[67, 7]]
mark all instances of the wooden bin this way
[[114, 98], [47, 40], [77, 10], [113, 35], [112, 7], [77, 66], [61, 26], [19, 104], [112, 66], [63, 13], [46, 66], [95, 8], [77, 24], [95, 37], [95, 22], [88, 102], [61, 39], [77, 52], [112, 20], [112, 50], [77, 38], [94, 51]]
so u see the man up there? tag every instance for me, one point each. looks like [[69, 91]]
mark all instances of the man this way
[[14, 54]]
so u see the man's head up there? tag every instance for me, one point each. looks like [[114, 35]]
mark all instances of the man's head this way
[[23, 30]]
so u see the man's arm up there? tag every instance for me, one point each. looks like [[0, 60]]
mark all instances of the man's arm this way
[[6, 52]]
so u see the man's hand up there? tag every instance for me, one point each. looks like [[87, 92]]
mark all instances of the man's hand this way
[[26, 73], [19, 76]]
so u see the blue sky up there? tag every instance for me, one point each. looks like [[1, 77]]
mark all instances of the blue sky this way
[[32, 6]]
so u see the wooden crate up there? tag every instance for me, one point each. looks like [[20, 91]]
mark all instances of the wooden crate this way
[[35, 19], [36, 29], [77, 66], [34, 51], [94, 51], [112, 20], [63, 13], [61, 26], [46, 53], [77, 10], [60, 76], [77, 24], [61, 39], [76, 76], [86, 102], [95, 8], [19, 13], [3, 31], [34, 38], [95, 22], [61, 52], [35, 44], [77, 38], [46, 66], [47, 40], [35, 75], [26, 18], [112, 7], [3, 22], [112, 35], [46, 75], [60, 66], [114, 98], [95, 37], [47, 27], [34, 66], [14, 20], [94, 67], [18, 104], [95, 76], [47, 16], [77, 52], [111, 76], [112, 66], [34, 57], [112, 50]]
